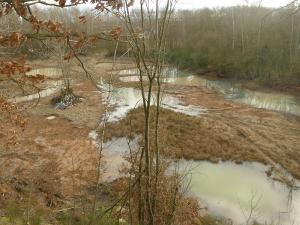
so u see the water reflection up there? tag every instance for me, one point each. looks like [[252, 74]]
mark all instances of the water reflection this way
[[53, 88], [114, 153], [271, 101], [126, 99], [236, 191]]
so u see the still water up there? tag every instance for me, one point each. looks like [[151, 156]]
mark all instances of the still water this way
[[125, 99], [238, 191], [51, 72], [52, 88], [243, 193], [270, 101]]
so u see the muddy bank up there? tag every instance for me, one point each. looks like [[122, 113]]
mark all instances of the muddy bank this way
[[48, 159]]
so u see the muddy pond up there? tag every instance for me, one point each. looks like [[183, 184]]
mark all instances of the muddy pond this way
[[238, 193], [241, 193]]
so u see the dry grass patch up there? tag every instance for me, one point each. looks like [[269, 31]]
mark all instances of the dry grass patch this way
[[212, 137]]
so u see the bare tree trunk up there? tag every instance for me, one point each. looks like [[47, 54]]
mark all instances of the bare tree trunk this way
[[292, 40], [243, 34], [148, 45], [233, 28]]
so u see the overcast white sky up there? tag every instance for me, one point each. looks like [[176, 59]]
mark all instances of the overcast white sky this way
[[194, 4]]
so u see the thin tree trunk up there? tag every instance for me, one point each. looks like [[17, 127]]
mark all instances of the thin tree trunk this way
[[233, 28]]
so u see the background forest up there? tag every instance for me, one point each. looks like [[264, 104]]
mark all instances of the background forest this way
[[240, 42], [252, 43]]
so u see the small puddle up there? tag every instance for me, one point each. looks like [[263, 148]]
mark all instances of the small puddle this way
[[233, 191], [51, 117], [126, 99], [53, 88], [113, 155], [270, 101], [114, 152], [50, 72]]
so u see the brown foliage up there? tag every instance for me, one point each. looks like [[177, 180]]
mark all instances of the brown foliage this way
[[6, 9], [9, 113], [10, 67], [15, 70], [172, 206], [116, 32], [14, 39]]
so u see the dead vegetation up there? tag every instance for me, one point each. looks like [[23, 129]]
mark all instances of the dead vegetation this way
[[216, 137]]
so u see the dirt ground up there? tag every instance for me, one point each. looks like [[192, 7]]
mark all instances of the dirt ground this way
[[56, 159]]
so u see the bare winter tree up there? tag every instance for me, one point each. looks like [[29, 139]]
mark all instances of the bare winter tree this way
[[143, 28]]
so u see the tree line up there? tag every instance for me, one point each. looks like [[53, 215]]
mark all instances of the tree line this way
[[243, 42]]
